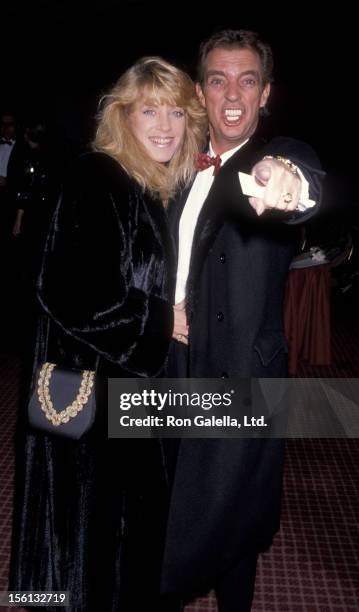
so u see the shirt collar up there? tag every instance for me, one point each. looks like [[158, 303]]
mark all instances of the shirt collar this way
[[227, 154]]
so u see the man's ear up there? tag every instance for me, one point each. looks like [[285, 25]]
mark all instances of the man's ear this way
[[265, 95], [200, 95]]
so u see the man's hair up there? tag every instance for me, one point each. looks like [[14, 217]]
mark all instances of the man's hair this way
[[160, 83], [36, 131], [7, 114], [236, 39]]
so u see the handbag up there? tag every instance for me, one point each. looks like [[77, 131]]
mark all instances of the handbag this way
[[63, 400]]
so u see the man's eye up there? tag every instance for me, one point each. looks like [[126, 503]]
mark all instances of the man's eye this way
[[216, 81], [249, 82]]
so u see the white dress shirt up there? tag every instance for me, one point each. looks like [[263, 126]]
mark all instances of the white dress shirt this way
[[196, 197], [5, 152]]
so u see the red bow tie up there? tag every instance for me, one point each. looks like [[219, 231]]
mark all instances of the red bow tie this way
[[204, 161]]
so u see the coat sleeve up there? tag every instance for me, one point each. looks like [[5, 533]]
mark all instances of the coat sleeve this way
[[299, 153], [306, 159], [86, 284]]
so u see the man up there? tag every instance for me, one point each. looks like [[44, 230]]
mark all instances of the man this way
[[229, 310], [7, 142], [8, 153]]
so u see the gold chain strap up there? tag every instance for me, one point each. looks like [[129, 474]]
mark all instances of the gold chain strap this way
[[43, 390]]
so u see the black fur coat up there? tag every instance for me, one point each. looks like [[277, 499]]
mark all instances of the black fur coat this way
[[90, 514], [105, 276]]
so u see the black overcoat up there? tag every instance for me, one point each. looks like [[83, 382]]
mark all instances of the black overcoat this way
[[88, 513], [226, 494]]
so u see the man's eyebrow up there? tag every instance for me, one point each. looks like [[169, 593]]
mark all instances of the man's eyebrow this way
[[254, 73], [214, 72]]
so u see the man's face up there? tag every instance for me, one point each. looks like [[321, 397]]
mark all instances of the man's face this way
[[232, 95], [8, 127]]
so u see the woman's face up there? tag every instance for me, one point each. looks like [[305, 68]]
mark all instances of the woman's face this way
[[159, 128]]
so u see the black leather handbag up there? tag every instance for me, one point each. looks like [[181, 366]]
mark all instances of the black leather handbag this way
[[63, 399]]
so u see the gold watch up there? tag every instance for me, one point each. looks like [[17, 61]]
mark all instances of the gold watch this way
[[289, 164]]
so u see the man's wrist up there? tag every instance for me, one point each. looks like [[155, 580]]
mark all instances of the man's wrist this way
[[287, 163]]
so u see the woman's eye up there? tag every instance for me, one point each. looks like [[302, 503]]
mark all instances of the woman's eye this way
[[150, 112], [178, 113]]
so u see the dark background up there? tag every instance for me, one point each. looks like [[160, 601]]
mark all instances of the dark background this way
[[57, 58]]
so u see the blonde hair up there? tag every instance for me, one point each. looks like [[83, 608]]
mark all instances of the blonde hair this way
[[162, 83]]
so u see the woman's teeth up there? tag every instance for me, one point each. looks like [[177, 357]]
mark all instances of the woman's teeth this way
[[161, 142]]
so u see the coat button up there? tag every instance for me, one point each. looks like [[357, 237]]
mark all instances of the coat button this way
[[224, 375], [220, 316], [222, 258]]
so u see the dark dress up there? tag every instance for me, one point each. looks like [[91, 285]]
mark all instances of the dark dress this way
[[35, 185], [34, 182], [90, 514]]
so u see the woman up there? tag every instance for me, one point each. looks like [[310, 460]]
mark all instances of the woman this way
[[90, 514]]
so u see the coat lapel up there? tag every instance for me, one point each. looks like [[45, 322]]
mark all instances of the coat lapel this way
[[174, 211], [224, 189]]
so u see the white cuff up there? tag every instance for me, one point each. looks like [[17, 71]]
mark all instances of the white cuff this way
[[304, 201]]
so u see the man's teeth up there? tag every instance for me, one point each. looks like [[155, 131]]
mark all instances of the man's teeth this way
[[232, 114]]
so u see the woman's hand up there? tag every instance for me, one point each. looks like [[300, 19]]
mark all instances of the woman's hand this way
[[180, 327]]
